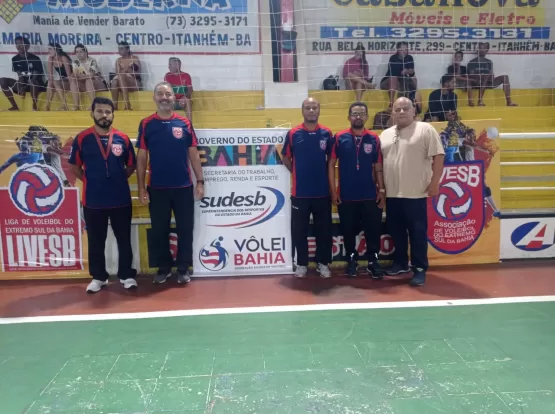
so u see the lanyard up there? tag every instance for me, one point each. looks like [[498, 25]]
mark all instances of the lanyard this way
[[357, 146], [105, 152]]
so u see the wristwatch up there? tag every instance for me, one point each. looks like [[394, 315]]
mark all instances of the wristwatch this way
[[200, 182]]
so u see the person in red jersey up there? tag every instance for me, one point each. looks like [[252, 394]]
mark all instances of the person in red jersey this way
[[103, 158], [305, 154], [182, 87], [361, 196], [169, 143]]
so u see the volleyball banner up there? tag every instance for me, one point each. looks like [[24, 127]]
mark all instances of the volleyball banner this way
[[463, 223], [242, 224], [40, 220], [433, 26]]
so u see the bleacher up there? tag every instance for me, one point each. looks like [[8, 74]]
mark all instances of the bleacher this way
[[245, 109]]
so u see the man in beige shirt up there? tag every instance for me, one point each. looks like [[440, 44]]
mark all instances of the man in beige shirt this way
[[412, 168]]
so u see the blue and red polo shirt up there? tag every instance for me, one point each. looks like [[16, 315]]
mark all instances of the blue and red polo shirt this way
[[308, 151], [357, 156], [105, 182], [168, 142]]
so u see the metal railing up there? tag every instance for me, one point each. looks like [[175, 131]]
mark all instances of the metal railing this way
[[527, 135]]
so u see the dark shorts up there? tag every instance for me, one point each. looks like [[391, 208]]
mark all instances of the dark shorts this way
[[24, 85]]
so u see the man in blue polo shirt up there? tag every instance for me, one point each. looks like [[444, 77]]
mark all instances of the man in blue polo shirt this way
[[359, 202], [103, 158], [169, 143], [305, 153]]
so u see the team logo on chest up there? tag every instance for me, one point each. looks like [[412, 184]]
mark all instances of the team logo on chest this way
[[117, 149], [177, 132], [323, 144], [367, 148]]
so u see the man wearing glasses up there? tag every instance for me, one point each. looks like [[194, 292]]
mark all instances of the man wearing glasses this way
[[413, 158], [361, 194]]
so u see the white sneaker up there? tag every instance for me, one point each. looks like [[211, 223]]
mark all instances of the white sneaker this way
[[96, 285], [300, 272], [324, 271], [129, 283]]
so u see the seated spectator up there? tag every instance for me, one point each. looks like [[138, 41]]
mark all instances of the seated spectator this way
[[480, 70], [442, 104], [59, 71], [400, 73], [30, 75], [462, 80], [355, 73], [182, 87], [128, 76], [86, 76]]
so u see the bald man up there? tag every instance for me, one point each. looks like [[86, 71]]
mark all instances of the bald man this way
[[412, 167], [305, 153]]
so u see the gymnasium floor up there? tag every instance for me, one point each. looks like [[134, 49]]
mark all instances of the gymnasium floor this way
[[473, 340]]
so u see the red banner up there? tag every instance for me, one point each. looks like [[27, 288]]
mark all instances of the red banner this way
[[40, 224]]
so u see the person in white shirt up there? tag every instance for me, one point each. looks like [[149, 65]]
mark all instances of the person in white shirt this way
[[412, 167], [86, 76]]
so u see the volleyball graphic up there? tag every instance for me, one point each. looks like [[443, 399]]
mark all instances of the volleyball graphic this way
[[454, 201], [36, 190]]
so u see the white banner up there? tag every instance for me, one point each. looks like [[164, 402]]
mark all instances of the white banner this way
[[528, 238], [242, 225], [149, 26]]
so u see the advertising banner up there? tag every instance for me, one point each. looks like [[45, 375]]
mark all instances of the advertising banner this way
[[463, 227], [242, 225], [40, 220], [149, 26], [528, 238], [432, 26]]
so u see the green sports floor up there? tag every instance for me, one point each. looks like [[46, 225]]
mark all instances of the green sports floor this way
[[455, 359]]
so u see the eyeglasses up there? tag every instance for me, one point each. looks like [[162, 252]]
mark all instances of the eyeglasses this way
[[358, 114]]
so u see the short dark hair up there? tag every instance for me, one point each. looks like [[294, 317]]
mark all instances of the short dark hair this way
[[123, 43], [24, 40], [446, 78], [458, 52], [399, 45], [99, 100], [358, 104]]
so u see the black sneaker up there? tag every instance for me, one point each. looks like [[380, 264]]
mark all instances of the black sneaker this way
[[183, 278], [352, 267], [419, 278], [397, 269], [375, 270], [161, 277]]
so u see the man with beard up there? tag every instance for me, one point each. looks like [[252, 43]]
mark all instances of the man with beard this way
[[305, 153], [103, 158], [361, 195], [168, 141]]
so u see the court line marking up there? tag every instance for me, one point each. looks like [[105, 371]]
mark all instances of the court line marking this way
[[277, 309]]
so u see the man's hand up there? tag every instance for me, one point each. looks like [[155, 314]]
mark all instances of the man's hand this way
[[380, 200], [335, 199], [199, 191], [433, 189], [144, 199]]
